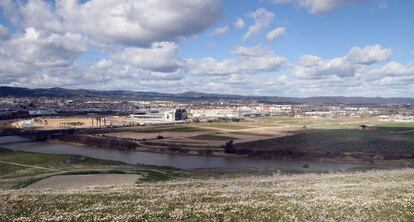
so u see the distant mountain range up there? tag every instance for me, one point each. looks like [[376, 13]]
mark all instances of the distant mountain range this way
[[194, 96]]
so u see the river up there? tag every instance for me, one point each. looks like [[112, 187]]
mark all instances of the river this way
[[17, 143]]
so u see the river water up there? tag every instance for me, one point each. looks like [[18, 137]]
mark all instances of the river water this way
[[178, 161]]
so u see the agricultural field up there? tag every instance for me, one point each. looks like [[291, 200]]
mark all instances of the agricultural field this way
[[361, 196], [198, 135]]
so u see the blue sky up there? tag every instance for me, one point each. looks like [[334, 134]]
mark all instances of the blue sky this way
[[317, 47], [327, 35]]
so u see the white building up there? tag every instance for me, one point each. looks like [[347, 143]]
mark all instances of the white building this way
[[280, 109], [26, 123], [213, 113], [153, 117]]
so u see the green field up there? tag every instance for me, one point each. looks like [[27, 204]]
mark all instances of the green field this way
[[367, 196]]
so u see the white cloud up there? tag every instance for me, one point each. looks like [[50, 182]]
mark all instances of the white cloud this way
[[238, 24], [130, 33], [43, 49], [253, 51], [318, 6], [393, 69], [209, 66], [315, 67], [262, 19], [252, 60], [138, 23], [276, 33], [368, 55], [354, 63], [220, 30], [161, 57]]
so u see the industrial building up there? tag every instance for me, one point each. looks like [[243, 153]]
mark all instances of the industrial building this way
[[153, 116]]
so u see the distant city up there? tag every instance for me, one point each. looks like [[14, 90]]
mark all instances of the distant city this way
[[141, 112]]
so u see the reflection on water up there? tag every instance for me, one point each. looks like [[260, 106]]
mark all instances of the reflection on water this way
[[177, 161]]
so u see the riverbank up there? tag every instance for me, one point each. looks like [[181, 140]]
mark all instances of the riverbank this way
[[188, 162], [379, 147]]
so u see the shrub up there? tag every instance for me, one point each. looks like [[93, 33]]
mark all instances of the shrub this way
[[160, 137], [228, 147]]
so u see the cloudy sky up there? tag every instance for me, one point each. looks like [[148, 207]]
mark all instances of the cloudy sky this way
[[251, 47]]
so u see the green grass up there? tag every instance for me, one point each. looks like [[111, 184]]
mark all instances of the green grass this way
[[213, 137], [6, 169], [51, 160]]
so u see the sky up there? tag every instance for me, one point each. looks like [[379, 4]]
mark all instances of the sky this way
[[297, 48]]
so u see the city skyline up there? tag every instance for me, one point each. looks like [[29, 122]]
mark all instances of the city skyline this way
[[293, 48]]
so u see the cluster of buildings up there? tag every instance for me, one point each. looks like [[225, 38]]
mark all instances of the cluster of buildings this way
[[200, 114], [158, 112], [22, 107], [396, 118]]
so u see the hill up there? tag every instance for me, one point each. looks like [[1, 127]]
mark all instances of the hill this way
[[125, 94], [358, 196]]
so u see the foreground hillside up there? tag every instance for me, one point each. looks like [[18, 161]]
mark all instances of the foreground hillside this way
[[374, 195]]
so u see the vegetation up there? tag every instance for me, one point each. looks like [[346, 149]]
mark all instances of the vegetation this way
[[155, 176], [6, 169], [388, 142], [367, 196], [228, 147]]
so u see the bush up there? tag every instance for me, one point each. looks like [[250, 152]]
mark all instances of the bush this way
[[228, 147]]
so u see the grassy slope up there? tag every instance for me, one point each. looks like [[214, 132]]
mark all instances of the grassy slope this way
[[18, 169], [368, 196]]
